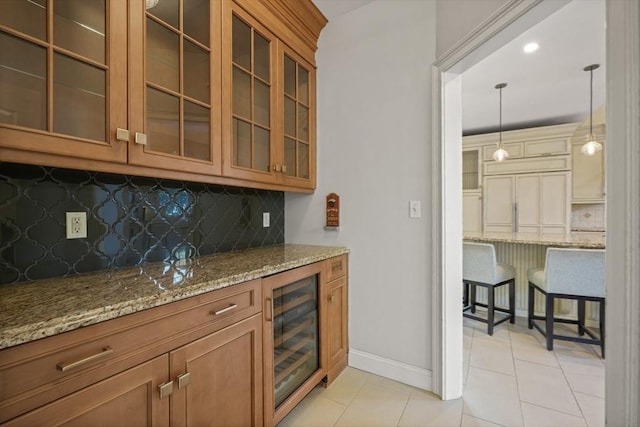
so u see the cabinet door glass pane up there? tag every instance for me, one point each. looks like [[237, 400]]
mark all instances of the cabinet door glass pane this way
[[241, 43], [289, 117], [470, 170], [163, 126], [303, 85], [241, 93], [241, 143], [303, 123], [79, 26], [196, 20], [261, 161], [167, 10], [289, 77], [163, 56], [23, 86], [196, 72], [303, 160], [261, 99], [261, 57], [79, 103], [290, 156], [28, 17], [197, 133]]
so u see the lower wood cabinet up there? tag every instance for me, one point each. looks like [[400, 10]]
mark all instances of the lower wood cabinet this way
[[128, 398], [212, 360], [219, 378]]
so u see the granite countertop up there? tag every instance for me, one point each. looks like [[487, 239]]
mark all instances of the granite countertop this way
[[33, 310], [578, 240]]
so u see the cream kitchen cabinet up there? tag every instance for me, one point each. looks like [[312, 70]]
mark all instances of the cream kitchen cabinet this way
[[588, 176], [472, 211], [527, 203]]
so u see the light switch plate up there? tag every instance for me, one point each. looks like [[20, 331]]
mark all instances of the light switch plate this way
[[415, 209], [266, 219]]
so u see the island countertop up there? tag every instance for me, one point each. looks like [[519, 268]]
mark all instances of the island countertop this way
[[33, 310], [573, 240]]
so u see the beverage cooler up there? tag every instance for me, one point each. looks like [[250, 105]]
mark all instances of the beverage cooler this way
[[291, 339]]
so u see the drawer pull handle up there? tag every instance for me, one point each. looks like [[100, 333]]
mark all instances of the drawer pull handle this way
[[224, 310], [64, 367], [166, 389], [184, 380]]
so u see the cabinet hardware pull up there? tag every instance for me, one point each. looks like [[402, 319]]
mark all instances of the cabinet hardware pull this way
[[64, 367], [284, 168], [331, 298], [184, 380], [276, 168], [224, 310], [141, 138], [166, 389], [122, 134], [269, 302]]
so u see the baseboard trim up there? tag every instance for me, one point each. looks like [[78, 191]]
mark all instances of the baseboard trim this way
[[392, 369]]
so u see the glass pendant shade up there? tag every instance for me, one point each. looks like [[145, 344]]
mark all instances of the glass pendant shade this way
[[149, 4], [500, 154], [592, 146]]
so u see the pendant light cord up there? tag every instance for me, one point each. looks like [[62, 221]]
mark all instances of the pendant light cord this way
[[591, 103], [500, 127]]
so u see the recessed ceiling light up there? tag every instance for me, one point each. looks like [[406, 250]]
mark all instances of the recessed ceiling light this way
[[531, 47]]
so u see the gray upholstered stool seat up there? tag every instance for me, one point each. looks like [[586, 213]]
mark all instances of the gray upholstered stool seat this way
[[576, 274], [480, 268]]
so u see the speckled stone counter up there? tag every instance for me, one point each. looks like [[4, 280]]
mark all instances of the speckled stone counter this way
[[573, 240], [33, 310]]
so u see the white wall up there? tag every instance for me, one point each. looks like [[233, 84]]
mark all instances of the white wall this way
[[374, 76]]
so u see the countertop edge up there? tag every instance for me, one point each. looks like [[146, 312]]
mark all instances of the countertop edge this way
[[13, 336]]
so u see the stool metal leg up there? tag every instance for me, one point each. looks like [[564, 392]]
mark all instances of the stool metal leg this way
[[512, 301], [490, 309], [581, 316], [602, 307], [548, 314], [531, 303], [472, 297]]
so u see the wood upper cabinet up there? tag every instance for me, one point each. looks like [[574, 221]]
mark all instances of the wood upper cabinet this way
[[269, 95], [63, 77], [175, 49]]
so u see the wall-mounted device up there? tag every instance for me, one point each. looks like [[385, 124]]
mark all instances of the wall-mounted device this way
[[332, 210]]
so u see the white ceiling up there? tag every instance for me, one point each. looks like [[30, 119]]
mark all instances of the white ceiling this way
[[543, 88], [546, 87]]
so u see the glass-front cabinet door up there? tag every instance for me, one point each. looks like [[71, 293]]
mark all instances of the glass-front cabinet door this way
[[249, 126], [63, 77], [175, 51], [297, 144]]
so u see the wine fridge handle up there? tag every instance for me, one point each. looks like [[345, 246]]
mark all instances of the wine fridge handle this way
[[269, 312]]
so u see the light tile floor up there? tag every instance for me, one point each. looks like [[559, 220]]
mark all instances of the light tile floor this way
[[510, 380]]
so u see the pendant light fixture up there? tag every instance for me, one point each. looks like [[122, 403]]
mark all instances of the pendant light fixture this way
[[592, 146], [500, 154]]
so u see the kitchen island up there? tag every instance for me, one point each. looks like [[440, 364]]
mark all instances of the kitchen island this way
[[528, 250]]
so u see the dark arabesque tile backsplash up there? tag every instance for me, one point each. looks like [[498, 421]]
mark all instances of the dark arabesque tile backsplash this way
[[130, 220]]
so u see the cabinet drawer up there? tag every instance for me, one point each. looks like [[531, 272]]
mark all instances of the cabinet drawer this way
[[38, 372], [336, 267], [547, 147]]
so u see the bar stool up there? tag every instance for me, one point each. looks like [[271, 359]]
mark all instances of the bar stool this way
[[576, 274], [479, 268]]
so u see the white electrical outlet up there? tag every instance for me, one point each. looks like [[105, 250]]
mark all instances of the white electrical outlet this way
[[76, 225], [266, 219], [415, 210]]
